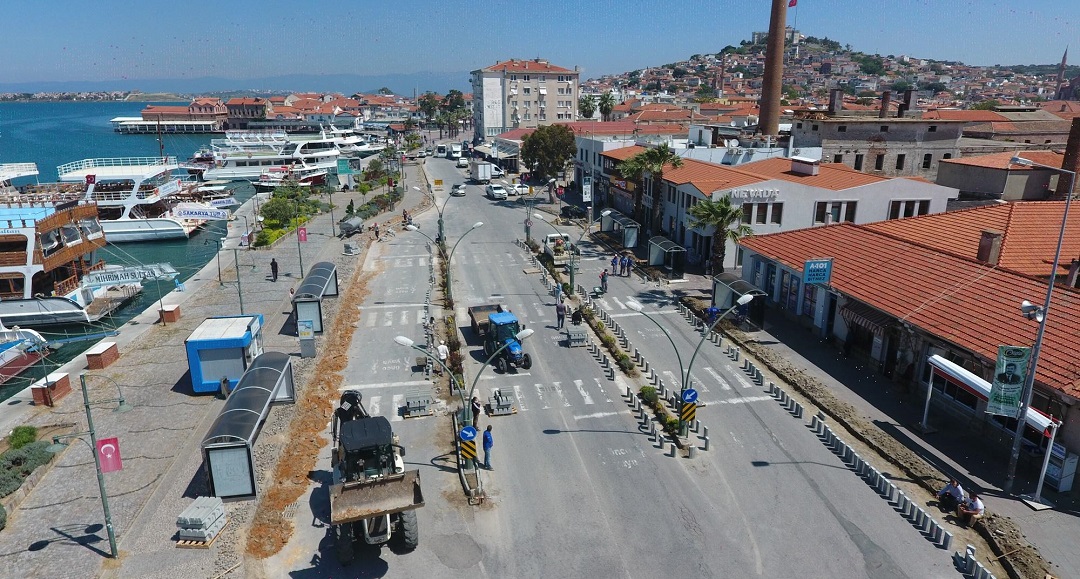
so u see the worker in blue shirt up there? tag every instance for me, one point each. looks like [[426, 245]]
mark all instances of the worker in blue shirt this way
[[488, 443]]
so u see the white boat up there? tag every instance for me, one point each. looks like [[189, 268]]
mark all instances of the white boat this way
[[295, 175], [19, 350], [135, 196], [245, 155], [351, 142]]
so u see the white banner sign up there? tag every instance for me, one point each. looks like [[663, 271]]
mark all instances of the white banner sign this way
[[224, 202], [156, 271], [198, 211]]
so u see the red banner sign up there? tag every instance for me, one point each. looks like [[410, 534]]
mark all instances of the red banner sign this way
[[302, 234], [108, 450]]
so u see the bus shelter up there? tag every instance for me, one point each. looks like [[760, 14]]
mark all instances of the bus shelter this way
[[669, 255], [227, 446], [624, 229], [321, 281], [728, 287]]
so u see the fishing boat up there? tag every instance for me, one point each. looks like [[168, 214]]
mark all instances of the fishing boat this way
[[246, 155], [19, 350], [48, 244], [294, 175]]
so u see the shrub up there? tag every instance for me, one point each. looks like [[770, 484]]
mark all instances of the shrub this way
[[453, 342], [21, 436], [608, 340], [672, 424], [3, 517], [17, 464], [566, 289], [599, 327], [648, 394], [624, 362]]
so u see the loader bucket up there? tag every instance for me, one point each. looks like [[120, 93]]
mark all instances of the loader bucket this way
[[355, 501]]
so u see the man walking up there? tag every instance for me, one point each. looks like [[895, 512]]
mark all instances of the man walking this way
[[273, 269], [560, 315], [377, 232], [603, 281], [444, 353], [626, 265], [488, 443]]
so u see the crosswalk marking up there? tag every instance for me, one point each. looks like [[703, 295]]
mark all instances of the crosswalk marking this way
[[399, 401], [373, 405], [744, 400], [370, 322], [595, 415], [520, 399], [671, 380], [540, 393], [388, 318], [539, 309], [622, 306], [581, 390], [723, 383], [632, 313], [558, 390], [404, 318], [419, 316], [375, 385], [601, 387]]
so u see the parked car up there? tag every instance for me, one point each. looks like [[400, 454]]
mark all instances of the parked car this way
[[421, 153], [458, 190], [496, 191], [463, 162], [519, 189]]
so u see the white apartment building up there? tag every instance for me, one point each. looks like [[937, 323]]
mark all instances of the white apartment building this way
[[522, 94]]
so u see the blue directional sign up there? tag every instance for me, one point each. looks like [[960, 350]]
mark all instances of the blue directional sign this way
[[468, 433], [689, 396]]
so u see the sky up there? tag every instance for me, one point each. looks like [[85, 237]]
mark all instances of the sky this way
[[125, 41]]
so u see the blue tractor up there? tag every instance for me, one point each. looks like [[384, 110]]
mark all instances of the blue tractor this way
[[503, 328]]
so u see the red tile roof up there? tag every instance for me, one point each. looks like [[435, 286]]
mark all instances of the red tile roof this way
[[960, 300], [516, 134], [622, 127], [246, 101], [530, 66], [832, 176], [1001, 160], [709, 177], [623, 153], [1029, 227]]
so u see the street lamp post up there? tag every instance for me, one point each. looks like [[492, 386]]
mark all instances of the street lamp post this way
[[333, 228], [637, 307], [219, 243], [402, 340], [239, 291], [442, 233], [57, 446], [1041, 314], [573, 250]]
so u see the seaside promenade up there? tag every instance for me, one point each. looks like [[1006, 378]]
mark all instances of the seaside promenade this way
[[58, 529]]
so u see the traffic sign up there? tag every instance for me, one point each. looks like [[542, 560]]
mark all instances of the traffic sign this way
[[467, 433], [528, 223], [689, 412], [689, 395], [468, 449]]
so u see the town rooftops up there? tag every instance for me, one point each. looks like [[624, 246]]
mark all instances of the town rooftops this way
[[1001, 160], [960, 300], [538, 66]]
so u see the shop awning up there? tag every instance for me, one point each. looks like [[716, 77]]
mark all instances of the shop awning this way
[[863, 315], [980, 388]]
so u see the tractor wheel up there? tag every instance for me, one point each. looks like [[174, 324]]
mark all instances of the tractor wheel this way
[[410, 531], [526, 362], [501, 365]]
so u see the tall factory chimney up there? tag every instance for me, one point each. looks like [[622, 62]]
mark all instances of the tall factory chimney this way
[[1071, 162], [769, 123]]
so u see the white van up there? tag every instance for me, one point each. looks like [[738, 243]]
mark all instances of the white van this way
[[440, 151], [455, 151]]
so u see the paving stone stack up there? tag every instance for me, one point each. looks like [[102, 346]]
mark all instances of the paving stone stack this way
[[202, 521]]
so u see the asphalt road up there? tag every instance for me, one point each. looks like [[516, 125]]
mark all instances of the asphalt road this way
[[577, 488]]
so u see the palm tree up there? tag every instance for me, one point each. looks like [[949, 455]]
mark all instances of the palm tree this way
[[606, 104], [727, 219], [633, 170], [653, 161], [587, 106]]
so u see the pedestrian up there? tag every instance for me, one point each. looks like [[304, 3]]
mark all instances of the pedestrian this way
[[477, 408], [614, 263], [557, 290], [603, 281], [560, 315], [377, 238], [576, 317], [488, 443], [626, 265], [273, 269], [444, 353]]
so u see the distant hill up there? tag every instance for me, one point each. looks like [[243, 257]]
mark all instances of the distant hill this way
[[155, 97], [401, 84]]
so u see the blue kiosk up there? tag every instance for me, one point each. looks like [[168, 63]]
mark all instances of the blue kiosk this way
[[220, 347]]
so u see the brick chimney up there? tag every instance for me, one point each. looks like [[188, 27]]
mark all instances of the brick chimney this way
[[886, 98], [990, 247], [1074, 273], [901, 111], [1071, 162], [836, 101], [769, 120]]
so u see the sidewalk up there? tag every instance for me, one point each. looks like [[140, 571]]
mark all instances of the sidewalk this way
[[954, 448]]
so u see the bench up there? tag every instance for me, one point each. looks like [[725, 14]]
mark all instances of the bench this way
[[499, 404], [102, 355], [169, 314], [51, 388]]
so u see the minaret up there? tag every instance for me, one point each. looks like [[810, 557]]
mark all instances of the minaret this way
[[1061, 76]]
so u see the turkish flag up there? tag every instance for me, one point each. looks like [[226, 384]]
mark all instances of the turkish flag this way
[[108, 450], [792, 3], [91, 179]]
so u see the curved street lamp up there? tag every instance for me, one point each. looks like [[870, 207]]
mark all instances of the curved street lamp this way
[[637, 307], [434, 202], [573, 250], [57, 446], [447, 258]]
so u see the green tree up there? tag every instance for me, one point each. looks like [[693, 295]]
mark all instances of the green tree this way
[[872, 65], [933, 86], [586, 106], [679, 72], [606, 105], [454, 101], [278, 209], [653, 161], [986, 105], [726, 219], [385, 91], [428, 103], [548, 149], [901, 85]]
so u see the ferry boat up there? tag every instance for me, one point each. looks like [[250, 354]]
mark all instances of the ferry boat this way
[[295, 175], [47, 245], [135, 196], [20, 349], [245, 155]]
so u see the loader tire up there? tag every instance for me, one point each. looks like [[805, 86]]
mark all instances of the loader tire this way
[[410, 531]]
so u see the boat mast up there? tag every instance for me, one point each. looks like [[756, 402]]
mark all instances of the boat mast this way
[[160, 143]]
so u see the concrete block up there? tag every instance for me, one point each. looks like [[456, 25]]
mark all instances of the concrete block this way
[[691, 451], [902, 502], [946, 540], [798, 412], [705, 446]]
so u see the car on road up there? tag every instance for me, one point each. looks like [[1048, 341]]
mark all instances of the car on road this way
[[496, 171], [518, 189], [458, 190], [462, 162], [496, 191], [421, 153]]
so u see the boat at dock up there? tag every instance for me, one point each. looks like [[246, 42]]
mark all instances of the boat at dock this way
[[47, 247], [294, 175], [20, 348], [246, 155]]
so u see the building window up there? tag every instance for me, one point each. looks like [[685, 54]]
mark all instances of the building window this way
[[813, 127], [884, 128], [762, 213], [841, 128], [513, 77], [879, 162], [949, 155], [525, 78], [820, 211], [777, 212], [526, 90], [838, 158], [900, 162], [850, 213], [798, 125], [748, 213], [932, 129], [926, 160], [924, 207], [858, 162]]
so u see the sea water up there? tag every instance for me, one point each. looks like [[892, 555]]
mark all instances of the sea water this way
[[53, 133]]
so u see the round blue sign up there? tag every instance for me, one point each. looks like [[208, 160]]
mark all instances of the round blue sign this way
[[689, 395], [468, 433]]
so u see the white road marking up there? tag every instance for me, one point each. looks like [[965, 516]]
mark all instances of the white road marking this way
[[539, 309], [581, 390], [558, 390], [540, 393], [496, 377], [723, 383], [622, 306], [375, 385], [399, 401], [404, 318], [595, 415], [745, 400], [404, 256], [419, 316], [370, 322], [600, 385], [373, 405], [742, 380], [388, 318], [628, 314], [698, 383], [390, 306], [520, 399], [671, 380]]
